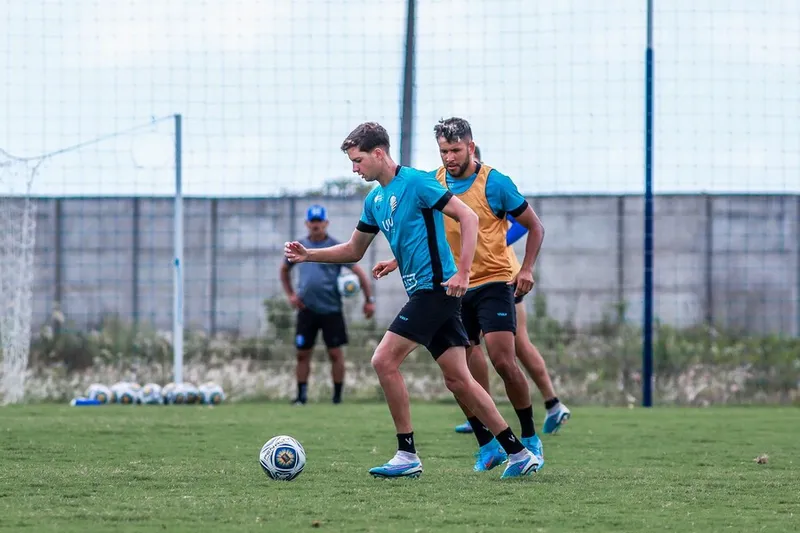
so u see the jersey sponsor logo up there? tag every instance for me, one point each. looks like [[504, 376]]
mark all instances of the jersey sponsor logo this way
[[410, 281], [387, 224]]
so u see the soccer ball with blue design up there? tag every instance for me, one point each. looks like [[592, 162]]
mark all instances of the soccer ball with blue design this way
[[124, 393], [211, 394], [99, 392], [282, 458], [348, 284], [151, 394]]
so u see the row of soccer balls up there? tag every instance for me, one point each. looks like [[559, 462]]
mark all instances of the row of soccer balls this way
[[128, 393]]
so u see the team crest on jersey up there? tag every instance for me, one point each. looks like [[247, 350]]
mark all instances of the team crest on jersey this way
[[393, 203]]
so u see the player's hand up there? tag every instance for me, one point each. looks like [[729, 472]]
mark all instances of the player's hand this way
[[296, 302], [369, 310], [295, 252], [457, 285], [384, 268], [524, 282]]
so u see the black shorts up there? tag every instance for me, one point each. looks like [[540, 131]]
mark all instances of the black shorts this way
[[432, 319], [334, 331], [489, 308]]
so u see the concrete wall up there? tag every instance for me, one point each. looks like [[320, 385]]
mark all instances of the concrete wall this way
[[731, 260]]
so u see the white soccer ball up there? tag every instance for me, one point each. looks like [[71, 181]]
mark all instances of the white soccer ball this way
[[348, 284], [211, 394], [124, 393], [180, 395], [282, 458], [151, 394], [99, 392], [168, 393], [192, 393]]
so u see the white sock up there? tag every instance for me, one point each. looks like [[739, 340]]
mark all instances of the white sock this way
[[554, 409], [519, 456], [403, 458]]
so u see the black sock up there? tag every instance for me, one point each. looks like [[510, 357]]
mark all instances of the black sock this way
[[405, 442], [481, 432], [301, 391], [337, 392], [526, 422], [509, 441], [549, 404]]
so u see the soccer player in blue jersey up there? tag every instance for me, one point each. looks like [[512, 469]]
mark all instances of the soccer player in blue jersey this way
[[488, 308], [408, 207]]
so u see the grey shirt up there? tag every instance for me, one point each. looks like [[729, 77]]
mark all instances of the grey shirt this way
[[317, 283]]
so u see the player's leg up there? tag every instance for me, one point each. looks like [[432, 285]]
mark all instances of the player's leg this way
[[497, 318], [532, 360], [451, 359], [388, 356], [334, 333], [479, 368], [306, 329], [416, 323], [490, 453]]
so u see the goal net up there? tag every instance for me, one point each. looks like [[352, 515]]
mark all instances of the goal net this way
[[17, 238]]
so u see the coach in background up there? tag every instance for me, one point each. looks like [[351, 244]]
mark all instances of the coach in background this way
[[319, 305]]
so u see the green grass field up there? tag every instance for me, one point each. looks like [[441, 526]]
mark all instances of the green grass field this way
[[196, 469]]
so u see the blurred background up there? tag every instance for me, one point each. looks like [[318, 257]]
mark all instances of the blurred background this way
[[266, 91]]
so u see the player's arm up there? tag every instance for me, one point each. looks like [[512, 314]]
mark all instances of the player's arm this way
[[515, 231], [366, 287], [504, 197], [529, 220], [286, 282], [348, 252]]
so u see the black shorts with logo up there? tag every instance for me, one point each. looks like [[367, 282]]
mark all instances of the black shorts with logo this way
[[432, 319], [489, 308], [334, 331]]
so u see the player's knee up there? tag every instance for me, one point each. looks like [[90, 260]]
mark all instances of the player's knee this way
[[335, 355], [382, 361], [303, 356], [506, 367], [457, 384]]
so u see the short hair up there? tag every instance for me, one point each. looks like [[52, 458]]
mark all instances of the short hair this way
[[477, 153], [366, 137], [453, 130]]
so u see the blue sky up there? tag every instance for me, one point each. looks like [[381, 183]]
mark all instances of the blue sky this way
[[269, 88]]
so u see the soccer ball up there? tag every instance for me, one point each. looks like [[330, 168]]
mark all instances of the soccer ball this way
[[348, 285], [151, 394], [99, 392], [211, 394], [124, 393], [168, 393], [192, 394], [180, 395], [282, 458]]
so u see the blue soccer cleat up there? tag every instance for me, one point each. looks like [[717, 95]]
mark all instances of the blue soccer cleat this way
[[524, 465], [534, 445], [556, 419], [464, 428], [401, 465], [489, 456]]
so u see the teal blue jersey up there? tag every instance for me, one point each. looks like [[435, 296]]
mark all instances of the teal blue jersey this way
[[408, 213]]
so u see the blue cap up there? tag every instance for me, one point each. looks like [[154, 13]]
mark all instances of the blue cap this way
[[316, 212]]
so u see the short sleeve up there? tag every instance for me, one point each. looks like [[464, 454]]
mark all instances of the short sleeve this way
[[430, 193], [367, 224], [503, 195]]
